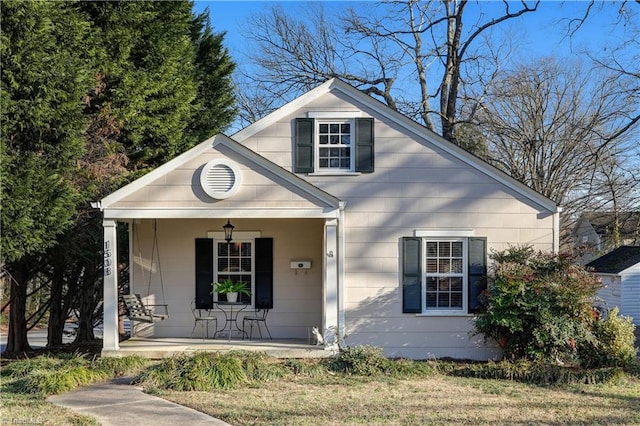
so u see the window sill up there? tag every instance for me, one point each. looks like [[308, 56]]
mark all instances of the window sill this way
[[334, 173], [446, 314]]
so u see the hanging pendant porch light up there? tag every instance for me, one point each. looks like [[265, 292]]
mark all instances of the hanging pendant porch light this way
[[228, 231]]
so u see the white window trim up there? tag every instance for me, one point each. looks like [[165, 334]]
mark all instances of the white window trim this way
[[443, 233], [335, 114], [431, 312], [316, 147]]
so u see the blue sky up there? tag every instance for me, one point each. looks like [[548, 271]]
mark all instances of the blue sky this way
[[541, 32]]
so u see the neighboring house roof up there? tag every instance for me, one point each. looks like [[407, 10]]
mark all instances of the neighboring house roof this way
[[420, 131], [602, 222], [616, 261]]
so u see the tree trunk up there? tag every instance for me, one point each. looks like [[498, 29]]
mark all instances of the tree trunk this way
[[87, 306], [17, 337], [56, 311]]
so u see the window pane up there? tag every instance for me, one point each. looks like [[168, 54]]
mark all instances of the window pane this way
[[345, 128], [223, 249], [345, 163], [234, 265], [324, 152], [334, 162], [431, 300], [432, 249], [324, 139], [432, 284], [456, 300], [432, 265], [444, 266], [456, 249], [456, 266], [324, 128], [456, 284], [223, 263], [245, 264], [334, 139], [346, 139], [324, 162], [445, 249], [443, 284], [334, 152], [246, 249], [334, 128], [443, 300]]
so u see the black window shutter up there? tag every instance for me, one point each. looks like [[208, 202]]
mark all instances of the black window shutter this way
[[411, 275], [264, 273], [364, 145], [304, 146], [204, 273], [477, 271]]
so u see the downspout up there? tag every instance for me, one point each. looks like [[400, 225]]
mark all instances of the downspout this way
[[342, 328], [556, 230]]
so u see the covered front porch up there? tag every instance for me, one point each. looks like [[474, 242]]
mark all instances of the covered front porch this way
[[177, 245], [163, 347]]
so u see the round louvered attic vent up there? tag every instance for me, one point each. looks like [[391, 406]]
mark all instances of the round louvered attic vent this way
[[220, 178]]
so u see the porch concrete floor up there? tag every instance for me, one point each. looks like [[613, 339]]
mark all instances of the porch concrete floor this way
[[163, 347]]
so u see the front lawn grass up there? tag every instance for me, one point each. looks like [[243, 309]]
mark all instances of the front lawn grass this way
[[435, 400], [358, 388]]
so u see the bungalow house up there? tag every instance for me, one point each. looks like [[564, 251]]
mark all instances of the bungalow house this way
[[347, 216], [619, 272]]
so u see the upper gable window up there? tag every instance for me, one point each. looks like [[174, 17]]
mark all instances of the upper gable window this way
[[328, 145], [334, 146]]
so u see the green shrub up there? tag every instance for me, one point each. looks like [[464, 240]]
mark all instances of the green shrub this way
[[258, 368], [538, 306], [539, 373], [51, 382], [613, 345], [200, 372], [360, 361]]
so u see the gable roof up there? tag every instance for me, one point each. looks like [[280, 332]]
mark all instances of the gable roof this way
[[404, 122], [305, 187], [616, 261], [602, 222]]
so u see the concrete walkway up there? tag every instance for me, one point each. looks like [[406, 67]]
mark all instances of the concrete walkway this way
[[119, 404]]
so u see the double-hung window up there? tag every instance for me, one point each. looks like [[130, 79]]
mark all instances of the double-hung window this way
[[332, 145], [444, 280], [333, 148], [443, 276], [249, 258], [235, 262]]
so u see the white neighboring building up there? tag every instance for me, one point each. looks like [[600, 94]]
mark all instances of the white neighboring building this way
[[619, 272]]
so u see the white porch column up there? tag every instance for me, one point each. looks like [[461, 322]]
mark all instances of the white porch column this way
[[330, 311], [110, 298]]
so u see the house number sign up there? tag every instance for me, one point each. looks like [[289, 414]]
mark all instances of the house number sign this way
[[107, 258]]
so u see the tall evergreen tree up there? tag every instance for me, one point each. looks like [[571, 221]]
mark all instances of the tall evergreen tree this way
[[214, 67], [162, 84], [43, 80]]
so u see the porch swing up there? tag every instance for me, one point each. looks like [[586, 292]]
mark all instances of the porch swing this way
[[135, 308]]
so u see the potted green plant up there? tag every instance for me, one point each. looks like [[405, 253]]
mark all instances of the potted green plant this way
[[231, 289]]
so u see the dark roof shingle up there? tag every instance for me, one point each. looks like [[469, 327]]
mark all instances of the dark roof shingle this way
[[616, 261]]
